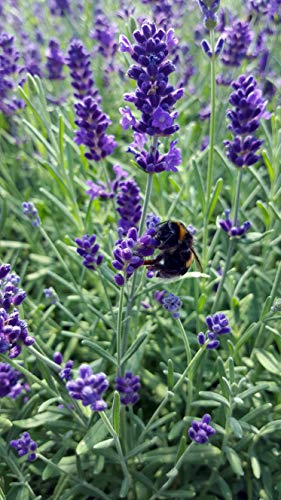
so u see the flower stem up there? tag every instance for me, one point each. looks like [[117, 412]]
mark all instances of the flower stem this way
[[119, 330], [185, 341], [134, 281], [231, 242], [211, 149]]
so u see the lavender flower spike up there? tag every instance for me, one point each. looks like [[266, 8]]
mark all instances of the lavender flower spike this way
[[25, 446], [169, 301], [89, 388], [218, 325], [209, 9], [155, 97], [88, 249], [31, 212], [92, 123], [128, 387], [249, 109], [78, 60], [200, 431], [55, 61], [128, 206], [227, 225], [11, 384]]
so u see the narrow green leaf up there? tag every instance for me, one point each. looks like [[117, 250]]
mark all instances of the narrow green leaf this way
[[99, 350], [213, 396], [215, 197], [234, 461], [107, 443], [95, 435], [236, 427], [134, 347], [116, 412], [264, 211], [269, 428], [61, 206], [45, 419], [268, 361], [170, 374], [256, 468], [268, 165]]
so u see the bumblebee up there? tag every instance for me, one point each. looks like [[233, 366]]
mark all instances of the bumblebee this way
[[176, 251]]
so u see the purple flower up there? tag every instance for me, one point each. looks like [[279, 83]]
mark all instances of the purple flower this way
[[66, 372], [249, 109], [227, 225], [209, 9], [128, 387], [13, 333], [25, 446], [11, 384], [169, 301], [9, 75], [155, 97], [92, 123], [128, 206], [152, 221], [89, 388], [152, 161], [100, 190], [50, 293], [59, 7], [218, 325], [78, 60], [88, 249], [55, 61], [105, 36], [10, 293], [4, 270], [238, 38], [32, 59], [31, 212], [200, 431], [129, 253]]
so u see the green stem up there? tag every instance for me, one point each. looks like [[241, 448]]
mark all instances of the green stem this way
[[131, 297], [185, 341], [119, 331], [211, 149], [274, 291], [118, 446], [190, 367], [155, 415], [231, 242], [172, 474]]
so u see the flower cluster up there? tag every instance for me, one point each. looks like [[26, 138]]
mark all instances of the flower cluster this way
[[25, 446], [55, 61], [88, 249], [200, 431], [155, 97], [169, 301], [129, 253], [238, 38], [92, 123], [9, 75], [50, 294], [104, 34], [13, 330], [11, 383], [89, 388], [31, 212], [209, 9], [66, 372], [152, 161], [227, 225], [128, 387], [128, 206], [103, 191], [249, 108], [59, 7], [218, 325], [78, 60]]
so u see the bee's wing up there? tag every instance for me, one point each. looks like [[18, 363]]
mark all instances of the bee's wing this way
[[199, 265]]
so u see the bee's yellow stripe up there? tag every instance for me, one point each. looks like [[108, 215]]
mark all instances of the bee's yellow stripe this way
[[182, 230], [189, 261]]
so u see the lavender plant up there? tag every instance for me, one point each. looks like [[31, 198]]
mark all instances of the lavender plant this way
[[113, 383]]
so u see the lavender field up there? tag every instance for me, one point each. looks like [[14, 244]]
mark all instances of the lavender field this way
[[140, 243]]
